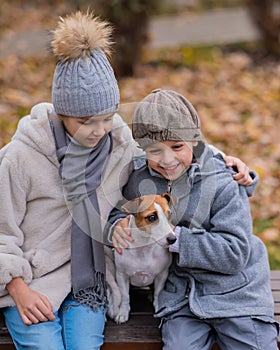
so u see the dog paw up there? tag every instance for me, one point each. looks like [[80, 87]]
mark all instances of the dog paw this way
[[112, 312], [121, 318]]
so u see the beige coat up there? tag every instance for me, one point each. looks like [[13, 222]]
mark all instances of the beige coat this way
[[35, 222]]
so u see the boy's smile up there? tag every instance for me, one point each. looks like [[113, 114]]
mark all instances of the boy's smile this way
[[170, 158]]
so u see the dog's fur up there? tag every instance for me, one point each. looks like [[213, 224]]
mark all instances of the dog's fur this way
[[147, 259]]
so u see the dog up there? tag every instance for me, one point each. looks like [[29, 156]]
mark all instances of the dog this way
[[147, 259]]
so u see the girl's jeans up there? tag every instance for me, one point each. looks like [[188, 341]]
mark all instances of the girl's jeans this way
[[76, 327]]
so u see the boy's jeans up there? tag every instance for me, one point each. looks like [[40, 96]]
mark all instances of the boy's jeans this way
[[76, 327], [184, 331]]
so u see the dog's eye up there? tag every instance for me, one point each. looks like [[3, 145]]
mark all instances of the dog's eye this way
[[152, 218]]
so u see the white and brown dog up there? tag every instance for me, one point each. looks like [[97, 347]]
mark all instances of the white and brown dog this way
[[147, 259]]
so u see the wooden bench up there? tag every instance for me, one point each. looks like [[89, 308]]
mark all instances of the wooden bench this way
[[141, 332]]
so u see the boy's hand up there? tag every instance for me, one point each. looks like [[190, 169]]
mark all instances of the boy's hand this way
[[33, 307], [121, 235], [243, 176]]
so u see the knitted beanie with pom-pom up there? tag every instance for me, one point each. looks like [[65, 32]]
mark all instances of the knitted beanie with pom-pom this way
[[84, 83]]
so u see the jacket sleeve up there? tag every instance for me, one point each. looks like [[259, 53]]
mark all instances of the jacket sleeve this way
[[12, 210], [250, 188], [115, 215], [224, 244], [129, 191]]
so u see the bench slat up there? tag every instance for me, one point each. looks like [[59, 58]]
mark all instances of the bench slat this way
[[141, 332]]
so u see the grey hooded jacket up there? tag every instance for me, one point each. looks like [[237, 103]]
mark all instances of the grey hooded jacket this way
[[222, 268]]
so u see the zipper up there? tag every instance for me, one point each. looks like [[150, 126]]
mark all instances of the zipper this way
[[169, 184]]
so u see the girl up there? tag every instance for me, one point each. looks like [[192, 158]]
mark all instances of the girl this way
[[58, 174]]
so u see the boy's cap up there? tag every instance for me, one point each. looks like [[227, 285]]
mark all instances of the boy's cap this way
[[84, 83], [165, 115]]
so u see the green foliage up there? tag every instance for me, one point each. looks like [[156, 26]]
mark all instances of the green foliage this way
[[210, 4], [22, 111], [184, 56], [262, 224], [273, 255]]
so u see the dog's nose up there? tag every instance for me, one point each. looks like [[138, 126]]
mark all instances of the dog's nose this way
[[171, 238]]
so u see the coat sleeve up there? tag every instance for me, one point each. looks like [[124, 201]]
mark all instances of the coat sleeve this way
[[224, 244], [115, 215], [12, 210], [254, 176], [129, 191]]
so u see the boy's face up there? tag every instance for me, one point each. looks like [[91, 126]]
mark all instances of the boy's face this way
[[170, 158], [88, 131]]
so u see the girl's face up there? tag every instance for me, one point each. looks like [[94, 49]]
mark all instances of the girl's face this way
[[88, 131], [170, 158]]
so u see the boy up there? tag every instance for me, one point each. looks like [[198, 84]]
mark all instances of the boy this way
[[218, 287]]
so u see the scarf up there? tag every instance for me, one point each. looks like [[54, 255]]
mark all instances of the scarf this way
[[81, 171]]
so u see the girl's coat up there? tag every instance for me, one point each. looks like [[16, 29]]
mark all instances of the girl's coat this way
[[35, 222]]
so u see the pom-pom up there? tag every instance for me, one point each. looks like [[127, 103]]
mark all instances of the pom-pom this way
[[78, 34]]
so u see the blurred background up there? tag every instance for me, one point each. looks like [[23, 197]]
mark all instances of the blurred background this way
[[223, 55]]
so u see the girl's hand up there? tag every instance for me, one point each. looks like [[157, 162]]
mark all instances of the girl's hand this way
[[243, 176], [33, 307], [121, 235]]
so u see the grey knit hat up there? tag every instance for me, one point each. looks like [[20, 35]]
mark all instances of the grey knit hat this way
[[165, 115], [84, 83]]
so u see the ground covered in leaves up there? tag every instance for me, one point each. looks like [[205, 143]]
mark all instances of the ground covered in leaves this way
[[238, 101]]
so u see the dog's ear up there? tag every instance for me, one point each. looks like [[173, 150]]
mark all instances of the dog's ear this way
[[170, 198], [139, 204], [132, 206]]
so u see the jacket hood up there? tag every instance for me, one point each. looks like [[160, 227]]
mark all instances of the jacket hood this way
[[34, 130]]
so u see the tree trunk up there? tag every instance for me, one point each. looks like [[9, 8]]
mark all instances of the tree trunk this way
[[266, 15]]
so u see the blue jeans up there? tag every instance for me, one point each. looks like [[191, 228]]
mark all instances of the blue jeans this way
[[76, 327]]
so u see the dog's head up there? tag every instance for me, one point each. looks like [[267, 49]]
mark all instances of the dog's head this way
[[151, 216]]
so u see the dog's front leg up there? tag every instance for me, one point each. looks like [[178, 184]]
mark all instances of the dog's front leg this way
[[123, 283], [158, 286]]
